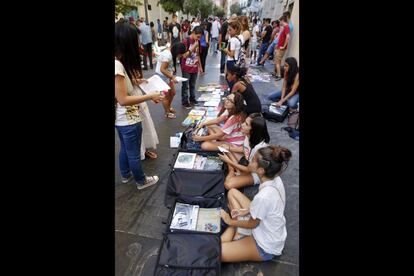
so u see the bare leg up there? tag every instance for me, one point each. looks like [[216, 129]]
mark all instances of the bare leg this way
[[211, 145], [228, 235], [264, 58], [240, 250], [238, 181], [171, 95], [237, 200]]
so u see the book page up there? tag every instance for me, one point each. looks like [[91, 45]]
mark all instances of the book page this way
[[209, 220], [155, 84]]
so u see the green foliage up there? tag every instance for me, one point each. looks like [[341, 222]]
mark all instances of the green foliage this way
[[218, 11], [235, 8], [125, 6], [172, 5]]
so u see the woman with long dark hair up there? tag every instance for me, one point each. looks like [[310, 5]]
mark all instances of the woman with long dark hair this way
[[257, 136], [204, 43], [166, 63], [242, 84], [128, 75], [290, 88], [230, 133]]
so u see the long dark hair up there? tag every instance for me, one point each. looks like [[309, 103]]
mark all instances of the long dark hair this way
[[239, 106], [274, 160], [258, 131], [127, 48], [239, 72], [177, 49], [290, 75]]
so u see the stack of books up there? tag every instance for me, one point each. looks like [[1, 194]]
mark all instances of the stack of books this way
[[194, 161]]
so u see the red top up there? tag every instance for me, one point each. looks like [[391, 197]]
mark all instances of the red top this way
[[190, 64], [282, 36]]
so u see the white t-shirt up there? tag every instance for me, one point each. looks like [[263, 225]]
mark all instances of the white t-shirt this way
[[126, 115], [255, 29], [262, 144], [268, 205], [215, 29], [165, 56], [194, 24], [235, 46]]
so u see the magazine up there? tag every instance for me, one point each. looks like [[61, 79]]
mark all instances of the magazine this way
[[184, 217], [278, 110], [213, 163], [185, 160]]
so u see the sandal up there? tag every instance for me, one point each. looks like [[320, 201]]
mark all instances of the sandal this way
[[172, 110], [170, 115], [151, 154]]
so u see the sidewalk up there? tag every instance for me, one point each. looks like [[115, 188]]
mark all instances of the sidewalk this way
[[139, 214]]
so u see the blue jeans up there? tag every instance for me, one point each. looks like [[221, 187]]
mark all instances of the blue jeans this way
[[192, 78], [262, 51], [271, 48], [222, 62], [130, 152], [292, 101], [213, 46]]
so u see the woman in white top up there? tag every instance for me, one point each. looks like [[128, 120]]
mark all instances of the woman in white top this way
[[257, 137], [165, 70], [266, 212], [234, 45], [127, 99], [244, 30]]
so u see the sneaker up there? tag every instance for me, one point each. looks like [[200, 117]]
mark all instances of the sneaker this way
[[126, 180], [222, 74], [149, 181], [278, 78], [193, 103], [187, 106]]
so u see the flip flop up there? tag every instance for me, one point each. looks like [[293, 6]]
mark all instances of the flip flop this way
[[172, 110], [170, 115], [151, 154]]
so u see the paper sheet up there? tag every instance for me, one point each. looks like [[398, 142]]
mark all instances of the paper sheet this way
[[155, 84]]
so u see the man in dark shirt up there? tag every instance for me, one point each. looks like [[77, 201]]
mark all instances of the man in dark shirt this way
[[266, 34], [223, 44], [174, 31]]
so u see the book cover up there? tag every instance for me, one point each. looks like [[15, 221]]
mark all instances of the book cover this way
[[185, 217], [185, 160]]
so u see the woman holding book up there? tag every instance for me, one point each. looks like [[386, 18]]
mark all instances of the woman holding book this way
[[128, 121], [164, 69], [265, 212], [257, 137], [230, 133]]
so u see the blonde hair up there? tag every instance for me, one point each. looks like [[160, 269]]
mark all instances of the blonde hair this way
[[244, 23]]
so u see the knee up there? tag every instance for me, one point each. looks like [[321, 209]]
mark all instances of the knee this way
[[205, 146], [232, 192]]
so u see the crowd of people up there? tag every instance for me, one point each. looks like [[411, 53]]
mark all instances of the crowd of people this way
[[257, 228]]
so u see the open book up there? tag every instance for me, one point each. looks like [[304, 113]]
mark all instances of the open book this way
[[278, 110], [192, 217], [155, 84]]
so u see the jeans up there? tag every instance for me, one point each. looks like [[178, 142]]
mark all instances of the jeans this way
[[222, 62], [148, 53], [203, 57], [271, 48], [292, 101], [262, 51], [213, 46], [192, 77], [130, 151], [230, 65]]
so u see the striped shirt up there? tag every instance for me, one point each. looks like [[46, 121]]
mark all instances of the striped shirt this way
[[232, 129]]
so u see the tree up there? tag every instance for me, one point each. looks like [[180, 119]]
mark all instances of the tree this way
[[218, 11], [125, 6], [194, 7], [172, 5], [235, 8]]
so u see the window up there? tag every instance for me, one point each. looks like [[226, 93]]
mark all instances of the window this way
[[149, 7]]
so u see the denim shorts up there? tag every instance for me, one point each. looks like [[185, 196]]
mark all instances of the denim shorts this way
[[164, 78], [265, 256]]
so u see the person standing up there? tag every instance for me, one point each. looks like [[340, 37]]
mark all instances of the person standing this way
[[266, 34], [146, 41], [190, 66], [128, 74], [159, 29], [234, 47], [274, 38], [174, 31], [153, 33], [223, 44], [215, 30], [282, 45], [255, 34], [204, 47], [185, 27], [195, 23], [244, 25]]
